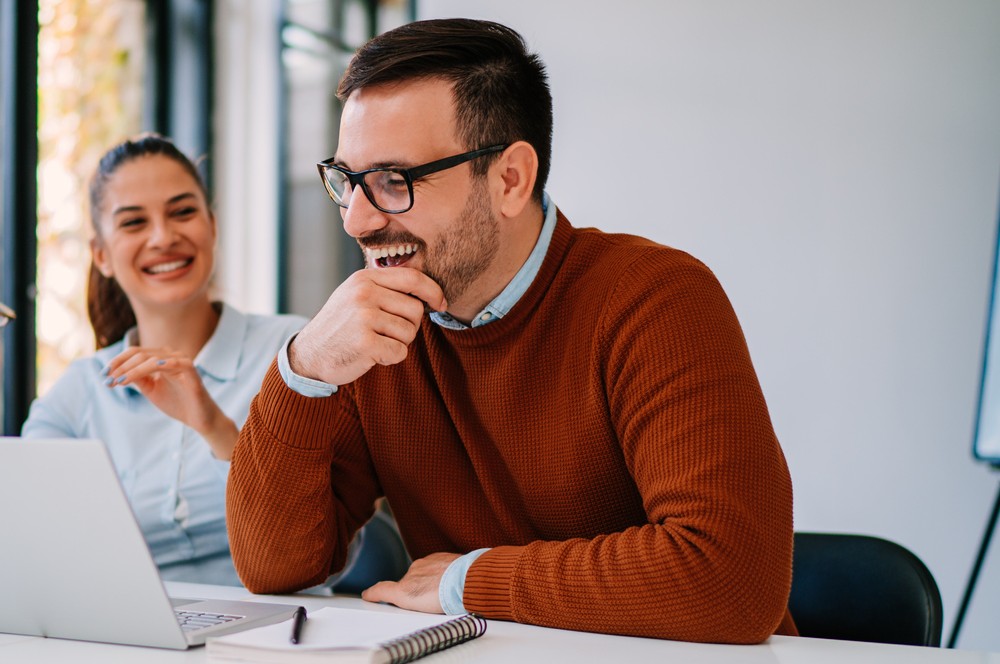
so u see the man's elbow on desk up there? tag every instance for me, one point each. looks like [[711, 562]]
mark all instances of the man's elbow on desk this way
[[281, 583]]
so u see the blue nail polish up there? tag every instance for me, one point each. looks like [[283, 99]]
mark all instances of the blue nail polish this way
[[120, 380], [160, 363], [109, 382]]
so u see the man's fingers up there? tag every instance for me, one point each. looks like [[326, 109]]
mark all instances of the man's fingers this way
[[383, 591], [370, 319], [412, 282], [405, 306]]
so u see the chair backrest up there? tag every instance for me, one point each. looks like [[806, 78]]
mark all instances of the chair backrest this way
[[863, 588]]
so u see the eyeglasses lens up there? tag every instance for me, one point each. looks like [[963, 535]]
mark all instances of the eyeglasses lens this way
[[387, 189]]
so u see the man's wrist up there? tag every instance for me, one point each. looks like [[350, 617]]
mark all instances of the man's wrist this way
[[452, 586], [307, 387]]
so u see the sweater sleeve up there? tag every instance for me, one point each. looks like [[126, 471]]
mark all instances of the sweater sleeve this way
[[300, 485], [713, 563]]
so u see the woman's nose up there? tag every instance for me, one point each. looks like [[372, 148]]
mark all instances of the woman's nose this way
[[162, 234]]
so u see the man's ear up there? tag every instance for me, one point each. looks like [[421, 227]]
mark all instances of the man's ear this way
[[518, 166], [100, 257]]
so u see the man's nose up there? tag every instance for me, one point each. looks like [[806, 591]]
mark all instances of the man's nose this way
[[360, 216]]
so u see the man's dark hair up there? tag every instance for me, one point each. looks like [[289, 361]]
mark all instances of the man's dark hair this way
[[501, 90]]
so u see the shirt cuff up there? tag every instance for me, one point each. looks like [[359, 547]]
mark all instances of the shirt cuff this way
[[307, 387], [453, 583]]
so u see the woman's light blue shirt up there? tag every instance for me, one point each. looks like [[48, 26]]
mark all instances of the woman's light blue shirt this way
[[176, 487]]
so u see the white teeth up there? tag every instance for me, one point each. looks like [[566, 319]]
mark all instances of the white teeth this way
[[397, 250], [167, 267]]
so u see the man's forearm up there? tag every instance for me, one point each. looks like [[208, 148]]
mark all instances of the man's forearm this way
[[281, 509]]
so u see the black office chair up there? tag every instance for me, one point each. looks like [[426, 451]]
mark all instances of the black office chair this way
[[381, 556], [863, 588]]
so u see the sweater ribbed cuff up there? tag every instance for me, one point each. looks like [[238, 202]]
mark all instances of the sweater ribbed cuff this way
[[488, 583], [304, 422]]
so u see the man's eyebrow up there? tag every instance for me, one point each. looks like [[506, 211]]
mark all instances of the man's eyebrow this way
[[337, 161]]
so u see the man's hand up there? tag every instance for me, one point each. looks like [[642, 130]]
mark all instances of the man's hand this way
[[418, 589], [370, 319]]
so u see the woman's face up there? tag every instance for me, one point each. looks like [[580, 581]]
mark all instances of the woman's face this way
[[155, 235]]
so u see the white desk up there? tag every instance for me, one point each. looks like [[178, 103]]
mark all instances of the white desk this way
[[509, 642]]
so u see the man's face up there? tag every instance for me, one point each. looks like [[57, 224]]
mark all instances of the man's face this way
[[451, 233]]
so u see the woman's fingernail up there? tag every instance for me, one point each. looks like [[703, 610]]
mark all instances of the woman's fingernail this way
[[160, 363]]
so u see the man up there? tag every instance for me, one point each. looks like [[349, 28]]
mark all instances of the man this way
[[573, 436]]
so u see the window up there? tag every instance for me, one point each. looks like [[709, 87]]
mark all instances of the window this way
[[318, 38], [91, 60]]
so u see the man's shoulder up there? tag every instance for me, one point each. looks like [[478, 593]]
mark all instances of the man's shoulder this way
[[632, 258]]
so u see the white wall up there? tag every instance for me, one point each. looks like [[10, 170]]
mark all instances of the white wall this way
[[837, 164]]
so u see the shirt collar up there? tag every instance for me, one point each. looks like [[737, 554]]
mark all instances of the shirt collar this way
[[517, 287], [220, 357]]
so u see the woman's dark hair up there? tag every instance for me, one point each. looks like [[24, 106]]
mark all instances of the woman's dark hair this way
[[501, 90], [110, 312]]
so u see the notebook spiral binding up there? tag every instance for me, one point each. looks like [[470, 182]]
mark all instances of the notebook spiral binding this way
[[432, 639]]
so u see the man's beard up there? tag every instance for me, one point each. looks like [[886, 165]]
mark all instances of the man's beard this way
[[466, 250], [463, 251]]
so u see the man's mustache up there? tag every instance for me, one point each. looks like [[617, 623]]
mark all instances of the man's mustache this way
[[380, 238]]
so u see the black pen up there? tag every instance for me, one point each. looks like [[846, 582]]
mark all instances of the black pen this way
[[298, 620]]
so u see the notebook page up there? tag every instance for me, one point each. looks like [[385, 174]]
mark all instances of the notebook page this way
[[331, 628]]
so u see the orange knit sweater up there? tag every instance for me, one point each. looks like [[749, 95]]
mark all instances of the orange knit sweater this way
[[607, 438]]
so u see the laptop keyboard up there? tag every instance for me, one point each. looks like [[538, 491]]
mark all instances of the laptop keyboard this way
[[192, 620]]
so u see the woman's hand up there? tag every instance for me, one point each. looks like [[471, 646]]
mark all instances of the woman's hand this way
[[172, 384]]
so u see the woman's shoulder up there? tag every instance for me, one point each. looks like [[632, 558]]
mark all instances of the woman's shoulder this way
[[62, 411], [91, 367], [284, 322], [265, 327]]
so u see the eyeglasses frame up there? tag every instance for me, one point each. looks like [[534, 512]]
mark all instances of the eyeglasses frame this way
[[410, 175]]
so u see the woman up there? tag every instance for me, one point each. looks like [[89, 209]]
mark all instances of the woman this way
[[176, 371]]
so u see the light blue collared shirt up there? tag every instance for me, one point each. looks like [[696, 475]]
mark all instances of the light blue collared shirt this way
[[452, 586], [176, 487]]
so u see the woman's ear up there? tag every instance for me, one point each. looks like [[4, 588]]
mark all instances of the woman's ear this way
[[100, 257], [215, 228], [518, 171]]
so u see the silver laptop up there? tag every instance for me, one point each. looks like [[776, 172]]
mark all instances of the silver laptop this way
[[74, 564]]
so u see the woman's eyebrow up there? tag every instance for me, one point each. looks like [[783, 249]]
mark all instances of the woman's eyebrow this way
[[126, 208], [178, 197], [139, 208]]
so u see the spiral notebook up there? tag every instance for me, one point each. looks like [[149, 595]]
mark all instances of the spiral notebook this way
[[349, 635]]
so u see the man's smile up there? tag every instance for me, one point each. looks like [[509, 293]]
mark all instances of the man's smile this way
[[391, 255]]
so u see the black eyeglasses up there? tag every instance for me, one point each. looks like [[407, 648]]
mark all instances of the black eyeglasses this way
[[6, 314], [389, 189]]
